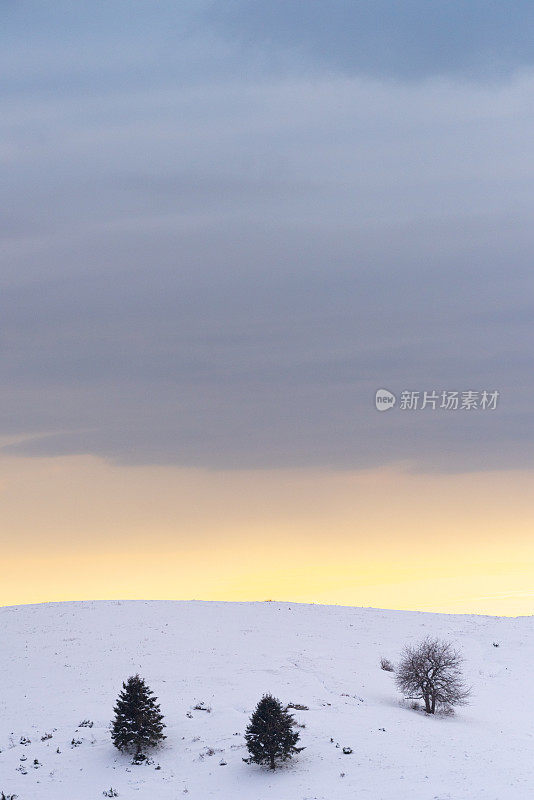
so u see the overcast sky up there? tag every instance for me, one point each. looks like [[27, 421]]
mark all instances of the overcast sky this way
[[224, 225]]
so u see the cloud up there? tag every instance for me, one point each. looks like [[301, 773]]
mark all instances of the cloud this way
[[386, 38], [219, 270]]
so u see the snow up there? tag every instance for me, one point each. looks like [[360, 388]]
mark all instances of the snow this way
[[65, 662]]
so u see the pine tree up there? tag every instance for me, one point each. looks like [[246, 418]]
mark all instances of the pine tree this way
[[138, 723], [270, 735]]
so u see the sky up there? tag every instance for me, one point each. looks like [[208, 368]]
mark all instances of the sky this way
[[224, 226]]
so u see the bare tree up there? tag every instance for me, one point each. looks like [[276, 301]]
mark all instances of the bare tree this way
[[432, 671]]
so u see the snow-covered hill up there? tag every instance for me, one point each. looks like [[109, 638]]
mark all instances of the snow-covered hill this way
[[64, 663]]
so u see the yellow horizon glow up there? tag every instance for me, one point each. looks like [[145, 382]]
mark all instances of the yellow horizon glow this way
[[81, 528]]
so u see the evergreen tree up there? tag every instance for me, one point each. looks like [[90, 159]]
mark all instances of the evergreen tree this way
[[138, 723], [270, 735]]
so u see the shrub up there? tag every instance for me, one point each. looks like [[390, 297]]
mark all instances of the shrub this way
[[202, 707]]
